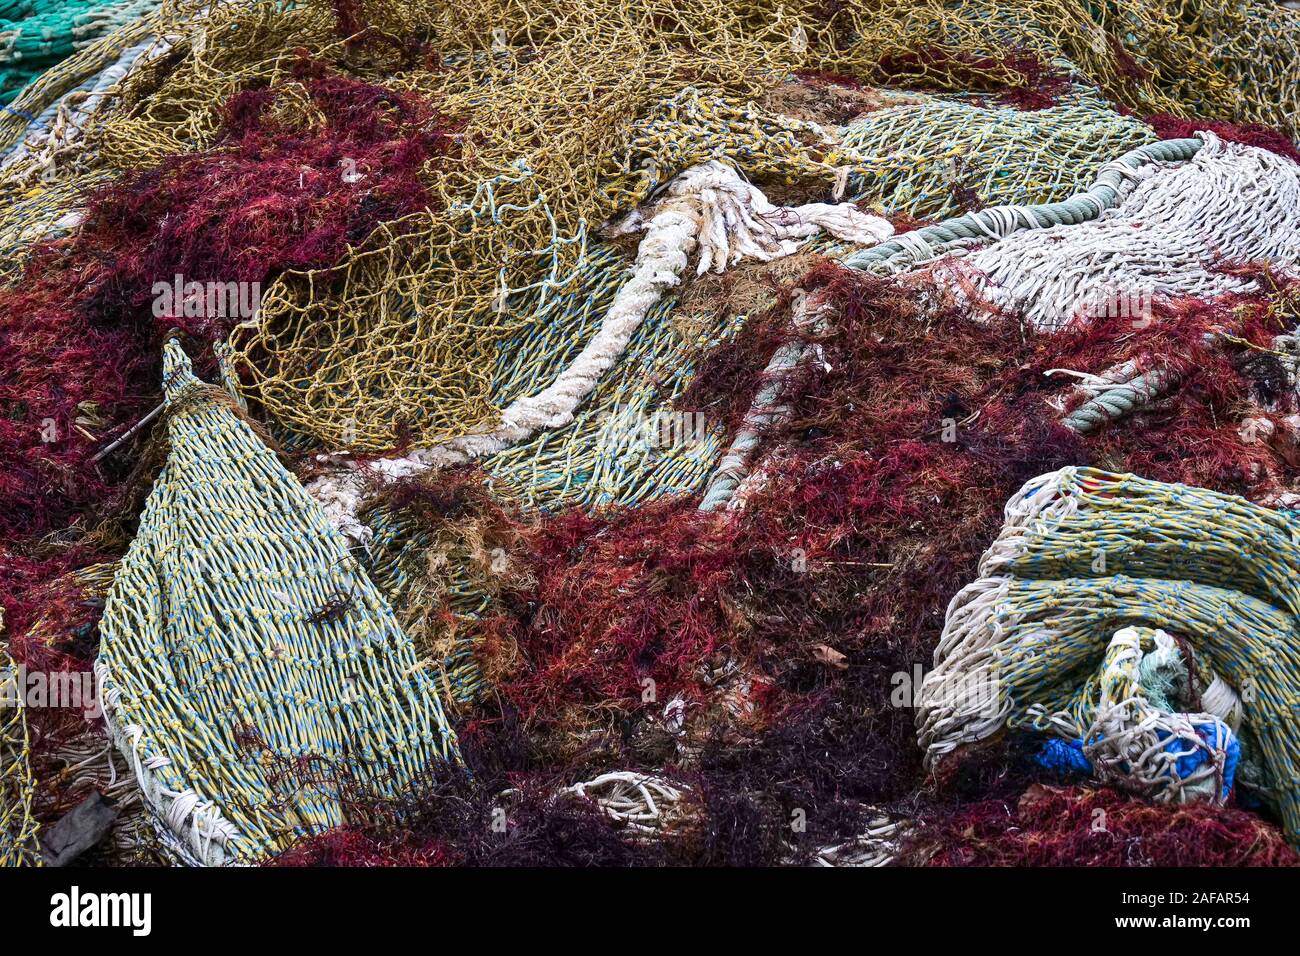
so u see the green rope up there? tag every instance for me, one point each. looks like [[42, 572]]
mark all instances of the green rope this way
[[998, 222], [994, 223], [1117, 402]]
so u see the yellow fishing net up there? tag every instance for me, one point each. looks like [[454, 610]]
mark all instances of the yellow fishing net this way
[[399, 339], [573, 112], [18, 827]]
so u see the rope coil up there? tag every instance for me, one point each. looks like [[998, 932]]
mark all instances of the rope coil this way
[[1085, 554]]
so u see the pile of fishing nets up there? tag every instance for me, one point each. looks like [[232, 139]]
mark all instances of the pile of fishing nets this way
[[38, 34], [649, 434]]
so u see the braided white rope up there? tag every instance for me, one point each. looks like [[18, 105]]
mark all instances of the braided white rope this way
[[709, 206], [876, 846], [208, 832], [1173, 224]]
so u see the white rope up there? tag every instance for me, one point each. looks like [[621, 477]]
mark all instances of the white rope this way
[[639, 802], [1136, 746], [876, 846], [709, 206]]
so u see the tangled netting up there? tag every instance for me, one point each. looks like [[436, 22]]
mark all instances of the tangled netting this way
[[584, 615], [511, 224], [237, 635], [605, 454], [17, 824], [68, 749], [1083, 555], [709, 207], [189, 244], [36, 34], [1165, 237], [53, 604]]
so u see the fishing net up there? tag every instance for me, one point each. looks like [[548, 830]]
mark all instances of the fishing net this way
[[532, 99], [536, 263], [330, 354], [240, 632], [627, 445], [969, 154], [1085, 554], [1230, 60], [72, 756], [426, 194], [499, 85], [41, 198], [35, 36], [610, 454], [1172, 57], [554, 468], [26, 110], [18, 826], [1130, 733], [1171, 234]]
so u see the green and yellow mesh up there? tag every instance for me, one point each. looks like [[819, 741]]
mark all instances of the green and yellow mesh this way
[[1086, 553], [248, 668], [999, 153]]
